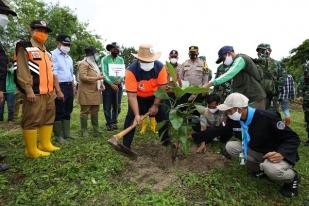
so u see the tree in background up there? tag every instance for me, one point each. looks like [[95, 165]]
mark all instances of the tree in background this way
[[298, 57], [126, 53], [60, 20]]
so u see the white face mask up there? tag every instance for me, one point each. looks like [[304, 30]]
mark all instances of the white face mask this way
[[65, 49], [147, 66], [4, 20], [228, 60], [236, 116], [213, 110], [173, 60]]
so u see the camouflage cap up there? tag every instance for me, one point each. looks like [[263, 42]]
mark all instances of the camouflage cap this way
[[263, 46]]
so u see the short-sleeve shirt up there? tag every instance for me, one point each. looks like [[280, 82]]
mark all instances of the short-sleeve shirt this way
[[145, 84]]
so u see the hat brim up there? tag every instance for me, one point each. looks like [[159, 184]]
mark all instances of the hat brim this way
[[43, 27], [155, 57], [224, 107], [5, 10], [219, 60], [110, 46]]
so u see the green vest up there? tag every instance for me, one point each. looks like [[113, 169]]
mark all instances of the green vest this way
[[247, 81]]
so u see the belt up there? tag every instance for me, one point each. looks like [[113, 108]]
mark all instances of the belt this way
[[66, 83]]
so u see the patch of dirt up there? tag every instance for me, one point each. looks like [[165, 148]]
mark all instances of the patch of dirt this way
[[154, 168], [296, 106]]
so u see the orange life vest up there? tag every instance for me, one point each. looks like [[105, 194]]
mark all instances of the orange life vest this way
[[40, 66]]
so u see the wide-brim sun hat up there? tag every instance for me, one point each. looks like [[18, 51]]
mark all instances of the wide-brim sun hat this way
[[146, 53]]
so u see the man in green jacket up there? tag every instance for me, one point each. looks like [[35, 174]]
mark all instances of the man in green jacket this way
[[113, 86], [244, 75]]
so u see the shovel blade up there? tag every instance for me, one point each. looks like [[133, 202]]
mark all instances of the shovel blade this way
[[121, 148]]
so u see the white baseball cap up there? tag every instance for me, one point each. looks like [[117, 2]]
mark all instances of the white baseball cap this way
[[234, 100]]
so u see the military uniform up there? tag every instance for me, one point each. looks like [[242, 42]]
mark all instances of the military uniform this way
[[273, 76], [303, 91], [224, 89]]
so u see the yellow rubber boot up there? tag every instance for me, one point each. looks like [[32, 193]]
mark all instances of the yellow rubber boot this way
[[144, 126], [45, 144], [153, 124], [31, 150]]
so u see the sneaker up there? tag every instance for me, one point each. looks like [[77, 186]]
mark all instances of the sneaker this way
[[258, 174], [291, 189], [3, 167]]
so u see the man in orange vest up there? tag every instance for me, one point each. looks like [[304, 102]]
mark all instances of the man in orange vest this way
[[36, 80]]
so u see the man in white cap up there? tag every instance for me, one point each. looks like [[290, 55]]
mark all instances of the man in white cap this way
[[143, 77], [268, 146]]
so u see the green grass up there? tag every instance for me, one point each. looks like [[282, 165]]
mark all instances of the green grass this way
[[89, 172]]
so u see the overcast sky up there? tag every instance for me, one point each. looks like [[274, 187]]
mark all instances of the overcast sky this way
[[209, 24]]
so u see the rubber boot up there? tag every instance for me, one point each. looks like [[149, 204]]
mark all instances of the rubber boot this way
[[67, 129], [45, 133], [144, 126], [153, 124], [58, 134], [95, 124], [83, 126], [31, 150]]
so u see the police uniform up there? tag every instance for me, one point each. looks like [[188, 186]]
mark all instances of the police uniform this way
[[144, 84], [34, 74], [303, 91], [194, 71]]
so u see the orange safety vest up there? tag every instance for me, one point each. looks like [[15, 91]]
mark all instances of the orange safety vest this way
[[40, 66]]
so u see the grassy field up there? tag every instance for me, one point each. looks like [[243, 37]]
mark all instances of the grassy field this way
[[88, 172]]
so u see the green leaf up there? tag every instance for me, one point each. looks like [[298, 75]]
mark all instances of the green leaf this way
[[201, 109], [195, 90], [175, 119], [161, 124], [178, 91], [161, 94], [171, 71], [184, 144]]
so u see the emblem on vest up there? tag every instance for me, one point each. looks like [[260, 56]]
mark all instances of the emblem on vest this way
[[36, 55], [141, 86]]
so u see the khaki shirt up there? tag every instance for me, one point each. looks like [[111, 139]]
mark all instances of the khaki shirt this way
[[169, 77], [209, 119], [194, 72]]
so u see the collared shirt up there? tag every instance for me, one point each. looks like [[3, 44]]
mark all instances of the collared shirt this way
[[209, 119], [194, 71], [63, 66], [106, 61], [287, 91]]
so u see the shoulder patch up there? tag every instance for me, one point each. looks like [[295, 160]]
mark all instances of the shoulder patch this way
[[280, 125]]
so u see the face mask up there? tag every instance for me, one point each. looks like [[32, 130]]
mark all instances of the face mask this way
[[65, 49], [173, 60], [40, 37], [4, 20], [236, 116], [192, 56], [228, 60], [147, 66], [213, 110]]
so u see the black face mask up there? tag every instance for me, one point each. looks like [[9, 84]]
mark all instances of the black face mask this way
[[193, 56]]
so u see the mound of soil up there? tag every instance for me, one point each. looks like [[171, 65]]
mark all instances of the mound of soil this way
[[154, 168]]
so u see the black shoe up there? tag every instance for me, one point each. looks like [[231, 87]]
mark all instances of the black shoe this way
[[109, 128], [3, 167], [114, 127], [306, 143], [224, 152], [258, 174], [291, 189]]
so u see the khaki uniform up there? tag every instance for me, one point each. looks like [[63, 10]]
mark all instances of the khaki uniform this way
[[169, 78], [42, 111], [194, 72], [89, 97]]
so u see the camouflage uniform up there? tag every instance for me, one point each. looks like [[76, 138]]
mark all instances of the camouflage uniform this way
[[273, 75], [224, 89], [303, 91]]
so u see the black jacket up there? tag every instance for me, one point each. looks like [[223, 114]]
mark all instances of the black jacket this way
[[3, 67], [268, 133]]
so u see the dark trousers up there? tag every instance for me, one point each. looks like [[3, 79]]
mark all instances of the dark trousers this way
[[225, 133], [307, 122], [111, 104], [9, 98], [65, 108], [144, 105]]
